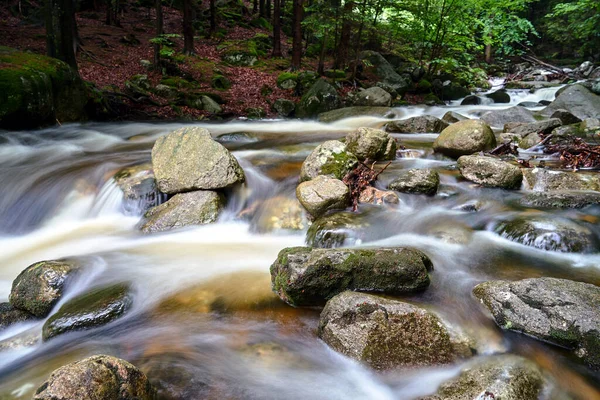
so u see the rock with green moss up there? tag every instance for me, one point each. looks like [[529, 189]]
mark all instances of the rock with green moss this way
[[420, 124], [37, 90], [323, 194], [140, 192], [243, 53], [39, 287], [139, 85], [330, 159], [506, 377], [387, 334], [464, 138], [166, 92], [552, 234], [349, 112], [199, 207], [561, 199], [544, 180], [384, 70], [558, 311], [303, 276], [220, 82], [287, 80], [284, 107], [321, 97], [97, 377], [98, 307], [189, 159], [255, 113], [371, 97], [419, 181], [490, 171], [454, 91], [451, 117], [372, 144], [9, 315], [338, 229]]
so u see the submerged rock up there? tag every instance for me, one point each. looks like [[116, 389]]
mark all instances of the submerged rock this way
[[10, 315], [337, 230], [513, 114], [189, 159], [322, 194], [561, 199], [420, 181], [505, 377], [184, 209], [39, 287], [372, 144], [331, 159], [490, 172], [386, 333], [421, 124], [558, 311], [544, 180], [303, 276], [140, 191], [279, 213], [464, 138], [97, 377]]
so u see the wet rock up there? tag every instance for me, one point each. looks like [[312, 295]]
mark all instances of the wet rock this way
[[95, 308], [451, 117], [533, 139], [523, 129], [558, 311], [499, 96], [174, 379], [553, 234], [464, 138], [349, 112], [372, 195], [284, 107], [330, 159], [372, 97], [386, 333], [506, 377], [370, 143], [189, 159], [139, 188], [10, 315], [454, 91], [577, 100], [565, 117], [490, 172], [322, 194], [451, 231], [279, 213], [385, 71], [471, 100], [337, 230], [421, 124], [303, 276], [513, 114], [184, 209], [561, 199], [97, 377], [544, 180], [420, 181], [321, 97], [243, 137], [39, 287]]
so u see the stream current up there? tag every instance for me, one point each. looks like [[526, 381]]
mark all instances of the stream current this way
[[58, 199]]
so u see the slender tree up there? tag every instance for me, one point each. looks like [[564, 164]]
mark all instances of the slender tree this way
[[261, 8], [268, 9], [60, 31], [298, 13], [342, 49], [213, 17], [159, 31], [112, 12], [188, 28], [276, 28]]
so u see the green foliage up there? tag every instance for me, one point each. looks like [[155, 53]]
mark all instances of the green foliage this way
[[576, 24]]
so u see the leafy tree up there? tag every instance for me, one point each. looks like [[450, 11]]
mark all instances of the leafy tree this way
[[576, 24]]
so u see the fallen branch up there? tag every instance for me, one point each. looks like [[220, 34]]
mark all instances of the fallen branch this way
[[360, 178], [576, 154]]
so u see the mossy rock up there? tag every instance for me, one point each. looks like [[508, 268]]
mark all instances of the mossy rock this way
[[335, 73], [220, 82], [321, 97], [424, 86], [10, 315], [177, 82], [255, 113], [330, 159], [239, 53], [287, 80]]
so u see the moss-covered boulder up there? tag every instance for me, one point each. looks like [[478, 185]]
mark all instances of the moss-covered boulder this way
[[371, 97], [284, 107], [39, 287], [490, 171], [464, 138], [220, 82], [561, 199], [37, 90], [349, 112], [372, 144], [321, 97], [10, 315], [418, 181], [140, 192], [420, 124], [558, 311], [303, 276], [98, 307], [97, 377], [384, 70], [387, 334], [242, 53], [287, 80], [331, 159], [545, 180], [323, 194]]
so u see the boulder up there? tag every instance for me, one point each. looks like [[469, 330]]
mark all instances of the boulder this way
[[338, 229], [350, 112], [9, 315], [94, 378], [165, 91], [523, 129], [490, 172], [220, 82], [557, 311], [386, 334], [513, 114], [388, 89], [577, 100], [138, 85], [303, 276], [386, 73], [98, 307], [321, 97], [499, 96], [471, 100], [209, 105], [184, 209], [451, 117], [330, 159], [189, 159], [140, 192], [561, 199], [551, 234], [323, 194], [529, 141], [285, 108], [39, 287], [287, 80], [372, 97], [421, 124], [464, 138], [372, 144], [565, 117], [453, 91], [506, 377], [544, 180], [419, 181]]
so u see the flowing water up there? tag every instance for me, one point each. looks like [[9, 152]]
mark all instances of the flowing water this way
[[204, 318]]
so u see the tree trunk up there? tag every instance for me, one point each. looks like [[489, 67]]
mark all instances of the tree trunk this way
[[276, 28], [488, 53], [261, 8], [342, 54], [112, 13], [60, 27], [188, 28], [255, 7], [159, 31], [297, 34], [321, 66], [268, 10], [213, 17]]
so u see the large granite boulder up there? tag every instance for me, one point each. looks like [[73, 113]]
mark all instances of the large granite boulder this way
[[386, 73], [499, 118], [320, 98], [323, 194], [372, 144], [420, 124], [418, 181], [372, 97], [331, 159], [576, 99], [490, 171], [544, 180], [464, 138], [561, 199]]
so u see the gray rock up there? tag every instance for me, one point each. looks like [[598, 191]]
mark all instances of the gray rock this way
[[553, 234], [454, 91], [330, 159], [39, 287], [337, 230], [544, 180], [451, 117], [513, 114], [387, 334], [9, 315], [303, 276], [421, 124], [372, 97], [490, 172], [95, 308], [471, 100], [386, 73], [166, 91], [372, 144], [140, 191], [209, 105], [529, 141], [576, 99], [524, 129], [558, 311], [420, 181], [323, 194], [561, 199], [184, 209], [464, 138], [499, 96], [349, 112], [388, 89], [566, 118], [97, 377], [284, 107], [189, 159], [506, 377], [321, 97], [371, 195]]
